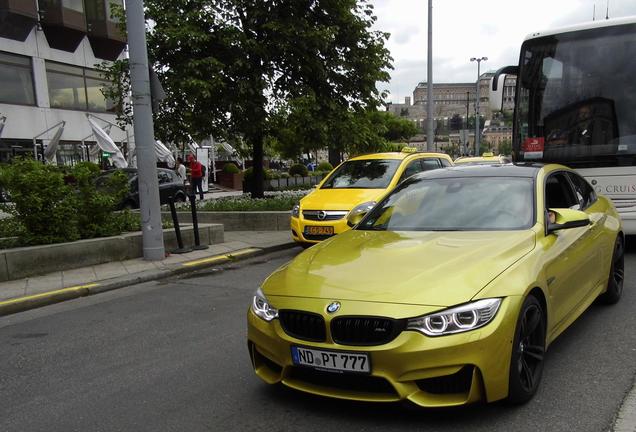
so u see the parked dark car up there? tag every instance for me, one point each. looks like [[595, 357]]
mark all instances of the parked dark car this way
[[169, 185]]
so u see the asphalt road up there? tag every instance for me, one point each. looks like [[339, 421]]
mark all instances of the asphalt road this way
[[172, 356]]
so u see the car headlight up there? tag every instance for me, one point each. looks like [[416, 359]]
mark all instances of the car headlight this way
[[456, 320], [296, 211], [262, 308]]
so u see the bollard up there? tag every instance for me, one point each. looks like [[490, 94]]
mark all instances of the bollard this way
[[177, 230], [195, 225]]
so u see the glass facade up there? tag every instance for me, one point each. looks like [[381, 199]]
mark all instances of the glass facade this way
[[72, 87], [76, 5], [16, 78]]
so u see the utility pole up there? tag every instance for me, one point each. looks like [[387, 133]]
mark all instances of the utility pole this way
[[478, 60], [429, 86], [152, 230]]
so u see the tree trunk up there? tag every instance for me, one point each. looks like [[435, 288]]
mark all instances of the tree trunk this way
[[334, 157], [258, 172]]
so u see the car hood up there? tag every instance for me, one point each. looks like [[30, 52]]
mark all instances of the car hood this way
[[420, 268], [339, 199]]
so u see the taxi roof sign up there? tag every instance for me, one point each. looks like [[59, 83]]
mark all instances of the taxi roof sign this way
[[407, 149]]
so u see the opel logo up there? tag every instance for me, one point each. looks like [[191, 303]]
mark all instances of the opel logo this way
[[321, 216], [333, 307]]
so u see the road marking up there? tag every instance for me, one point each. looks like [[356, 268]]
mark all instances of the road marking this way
[[48, 294], [218, 258], [243, 252]]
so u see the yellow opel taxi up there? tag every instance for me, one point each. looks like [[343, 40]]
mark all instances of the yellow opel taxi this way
[[487, 158], [355, 186]]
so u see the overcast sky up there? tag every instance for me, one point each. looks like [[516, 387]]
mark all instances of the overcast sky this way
[[470, 28]]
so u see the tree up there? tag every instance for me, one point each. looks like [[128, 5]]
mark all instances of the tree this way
[[505, 147], [231, 67]]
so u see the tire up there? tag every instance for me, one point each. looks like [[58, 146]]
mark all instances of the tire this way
[[616, 274], [179, 198], [528, 352], [306, 245]]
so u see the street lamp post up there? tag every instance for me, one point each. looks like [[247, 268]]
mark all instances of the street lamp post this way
[[478, 60]]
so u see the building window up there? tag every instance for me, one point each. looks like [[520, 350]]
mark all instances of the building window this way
[[76, 5], [16, 76], [73, 87]]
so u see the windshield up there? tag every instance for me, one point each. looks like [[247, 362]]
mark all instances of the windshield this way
[[455, 204], [577, 98], [363, 174]]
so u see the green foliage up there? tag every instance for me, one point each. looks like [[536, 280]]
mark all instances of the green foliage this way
[[234, 68], [278, 203], [42, 201], [324, 166], [52, 205], [95, 208], [298, 170], [505, 147], [231, 168]]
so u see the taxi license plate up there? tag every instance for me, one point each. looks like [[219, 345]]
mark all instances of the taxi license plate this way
[[332, 360], [319, 230]]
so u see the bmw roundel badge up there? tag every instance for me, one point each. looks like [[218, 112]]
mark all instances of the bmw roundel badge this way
[[333, 307]]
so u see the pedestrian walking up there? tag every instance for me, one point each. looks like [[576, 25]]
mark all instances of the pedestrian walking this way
[[181, 170], [196, 175]]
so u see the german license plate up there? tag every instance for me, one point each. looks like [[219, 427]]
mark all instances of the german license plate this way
[[319, 230], [331, 360]]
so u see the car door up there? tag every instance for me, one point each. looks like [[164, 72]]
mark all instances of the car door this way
[[570, 256], [164, 185]]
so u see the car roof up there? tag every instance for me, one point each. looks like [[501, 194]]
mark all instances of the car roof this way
[[468, 159], [398, 155], [527, 170]]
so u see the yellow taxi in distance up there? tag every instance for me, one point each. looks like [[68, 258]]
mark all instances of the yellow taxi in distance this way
[[440, 298], [487, 158], [355, 186]]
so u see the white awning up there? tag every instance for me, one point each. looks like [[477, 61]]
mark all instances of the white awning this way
[[108, 145], [51, 148], [164, 154]]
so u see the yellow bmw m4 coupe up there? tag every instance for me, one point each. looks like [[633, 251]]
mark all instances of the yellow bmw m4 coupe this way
[[447, 292]]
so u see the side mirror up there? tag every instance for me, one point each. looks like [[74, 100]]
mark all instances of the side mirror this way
[[566, 219], [496, 89], [355, 216]]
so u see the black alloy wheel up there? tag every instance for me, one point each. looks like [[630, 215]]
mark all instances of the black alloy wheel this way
[[528, 352], [616, 275]]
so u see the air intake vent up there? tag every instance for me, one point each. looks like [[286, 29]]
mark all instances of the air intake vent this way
[[365, 330], [303, 325]]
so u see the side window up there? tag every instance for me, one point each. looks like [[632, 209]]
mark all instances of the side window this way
[[584, 192], [163, 177], [430, 164], [445, 163], [559, 193], [412, 168]]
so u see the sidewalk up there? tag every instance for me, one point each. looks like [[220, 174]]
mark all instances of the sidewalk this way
[[32, 292]]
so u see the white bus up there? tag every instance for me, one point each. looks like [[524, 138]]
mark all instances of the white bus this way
[[575, 104]]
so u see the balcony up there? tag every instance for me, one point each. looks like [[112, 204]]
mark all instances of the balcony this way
[[104, 34], [63, 22], [17, 18]]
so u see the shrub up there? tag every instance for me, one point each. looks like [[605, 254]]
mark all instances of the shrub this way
[[52, 205], [231, 168], [324, 166], [95, 208], [298, 170], [42, 202]]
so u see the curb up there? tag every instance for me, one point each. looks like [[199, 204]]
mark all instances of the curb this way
[[22, 304]]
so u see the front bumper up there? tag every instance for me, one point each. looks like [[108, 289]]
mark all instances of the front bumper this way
[[298, 225], [428, 371]]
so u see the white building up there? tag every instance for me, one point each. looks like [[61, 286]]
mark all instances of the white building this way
[[49, 50]]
